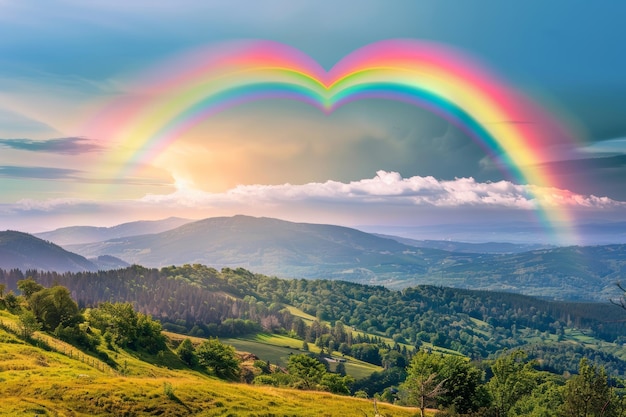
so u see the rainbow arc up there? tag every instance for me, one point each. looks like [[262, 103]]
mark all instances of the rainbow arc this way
[[510, 128]]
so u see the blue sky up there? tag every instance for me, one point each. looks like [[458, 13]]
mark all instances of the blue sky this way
[[60, 59]]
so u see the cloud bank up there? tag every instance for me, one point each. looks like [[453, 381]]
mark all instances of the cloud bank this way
[[391, 188], [387, 199]]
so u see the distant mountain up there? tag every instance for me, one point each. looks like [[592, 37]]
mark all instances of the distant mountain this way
[[464, 247], [87, 234], [272, 246], [23, 251], [572, 273], [302, 250], [107, 262], [595, 232]]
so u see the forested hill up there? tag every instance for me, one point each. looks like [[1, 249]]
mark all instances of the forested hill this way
[[269, 246], [466, 247], [23, 251], [203, 301], [301, 250]]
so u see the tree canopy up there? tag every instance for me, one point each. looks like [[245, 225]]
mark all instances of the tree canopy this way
[[219, 358]]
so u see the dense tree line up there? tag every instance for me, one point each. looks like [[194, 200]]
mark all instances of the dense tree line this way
[[511, 385], [202, 301], [457, 387]]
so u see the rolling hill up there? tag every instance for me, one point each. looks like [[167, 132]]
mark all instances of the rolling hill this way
[[302, 250], [272, 246], [23, 251], [86, 234], [571, 273], [466, 247], [63, 381]]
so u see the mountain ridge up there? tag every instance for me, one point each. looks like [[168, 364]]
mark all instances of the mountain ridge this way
[[258, 243], [88, 234], [305, 250], [467, 247], [23, 251]]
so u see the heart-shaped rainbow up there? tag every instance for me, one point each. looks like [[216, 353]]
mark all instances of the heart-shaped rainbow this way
[[511, 129]]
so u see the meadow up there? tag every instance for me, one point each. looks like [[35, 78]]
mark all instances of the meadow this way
[[36, 381]]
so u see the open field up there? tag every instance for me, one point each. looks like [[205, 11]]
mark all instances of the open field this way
[[277, 348], [39, 382]]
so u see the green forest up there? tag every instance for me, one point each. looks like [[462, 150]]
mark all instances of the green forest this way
[[459, 351]]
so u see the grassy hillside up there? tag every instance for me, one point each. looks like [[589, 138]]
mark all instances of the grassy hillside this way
[[35, 381], [202, 301], [277, 348]]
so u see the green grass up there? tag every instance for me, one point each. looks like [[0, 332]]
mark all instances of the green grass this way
[[37, 382], [480, 326], [277, 348], [277, 355], [299, 313], [309, 319]]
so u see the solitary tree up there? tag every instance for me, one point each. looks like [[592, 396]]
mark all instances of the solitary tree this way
[[53, 307], [187, 353], [307, 369], [28, 287], [463, 385], [423, 386], [341, 369], [221, 359], [337, 384], [28, 324]]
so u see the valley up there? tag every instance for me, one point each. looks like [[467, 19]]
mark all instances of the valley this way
[[316, 251], [364, 334]]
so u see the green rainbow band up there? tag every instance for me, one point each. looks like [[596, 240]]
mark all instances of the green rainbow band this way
[[424, 75]]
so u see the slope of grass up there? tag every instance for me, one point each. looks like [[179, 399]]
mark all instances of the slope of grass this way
[[277, 349], [38, 382], [299, 313]]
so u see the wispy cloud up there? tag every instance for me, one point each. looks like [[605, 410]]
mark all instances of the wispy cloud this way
[[616, 146], [66, 146], [48, 173], [75, 175]]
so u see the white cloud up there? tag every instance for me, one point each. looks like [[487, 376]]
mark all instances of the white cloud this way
[[49, 205], [385, 199], [385, 189], [390, 188]]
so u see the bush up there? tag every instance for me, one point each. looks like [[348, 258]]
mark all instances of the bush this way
[[168, 390], [187, 353], [361, 394], [265, 380]]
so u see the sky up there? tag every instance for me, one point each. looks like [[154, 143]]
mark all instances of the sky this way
[[74, 75]]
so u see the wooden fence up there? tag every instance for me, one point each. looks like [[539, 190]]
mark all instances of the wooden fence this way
[[45, 341]]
